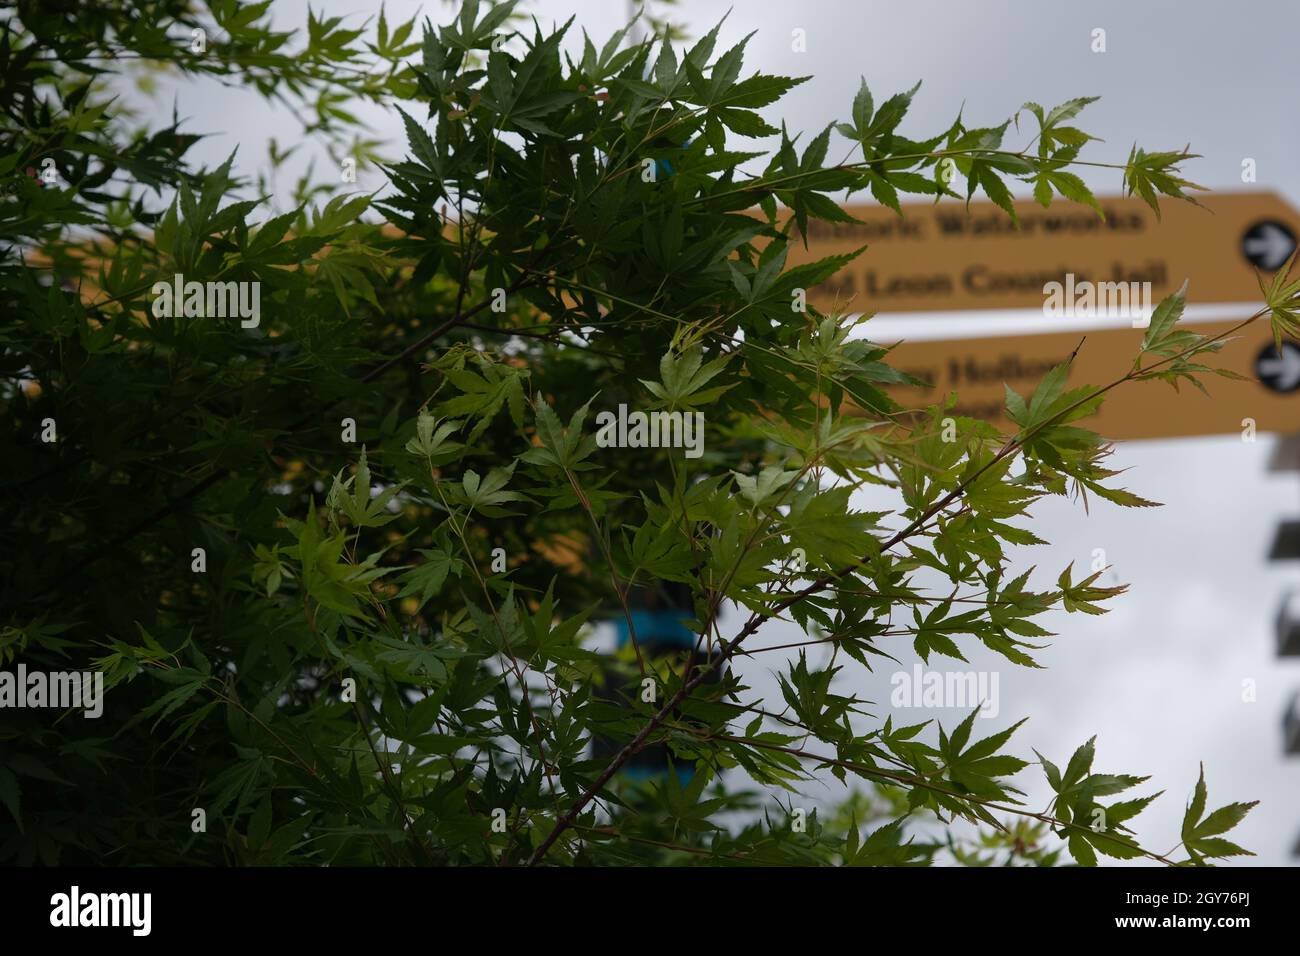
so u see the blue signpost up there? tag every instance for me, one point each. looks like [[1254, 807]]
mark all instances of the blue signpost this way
[[659, 617]]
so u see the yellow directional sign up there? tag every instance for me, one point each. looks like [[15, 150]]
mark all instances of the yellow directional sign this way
[[977, 368], [941, 257]]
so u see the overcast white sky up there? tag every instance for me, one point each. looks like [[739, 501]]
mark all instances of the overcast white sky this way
[[1159, 679]]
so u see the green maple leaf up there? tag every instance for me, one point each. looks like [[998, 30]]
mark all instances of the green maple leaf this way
[[1201, 834], [427, 579]]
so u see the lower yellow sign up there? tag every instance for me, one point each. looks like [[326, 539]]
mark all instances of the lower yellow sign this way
[[976, 369]]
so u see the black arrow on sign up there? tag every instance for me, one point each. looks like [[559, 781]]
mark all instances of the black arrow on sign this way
[[1279, 372], [1267, 244]]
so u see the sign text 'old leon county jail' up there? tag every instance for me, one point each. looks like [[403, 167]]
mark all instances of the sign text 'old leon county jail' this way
[[941, 257], [978, 368]]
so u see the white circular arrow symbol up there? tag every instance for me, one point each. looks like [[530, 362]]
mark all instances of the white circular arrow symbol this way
[[1280, 372], [1268, 244]]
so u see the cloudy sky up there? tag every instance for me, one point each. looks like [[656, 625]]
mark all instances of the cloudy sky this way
[[1160, 678]]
